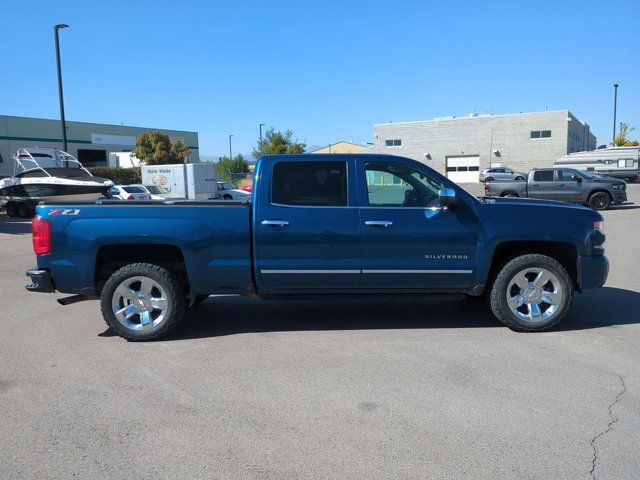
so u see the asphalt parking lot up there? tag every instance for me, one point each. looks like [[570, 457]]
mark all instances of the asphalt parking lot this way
[[370, 389]]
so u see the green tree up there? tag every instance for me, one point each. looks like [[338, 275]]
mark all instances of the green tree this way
[[155, 148], [275, 142], [232, 169], [622, 140]]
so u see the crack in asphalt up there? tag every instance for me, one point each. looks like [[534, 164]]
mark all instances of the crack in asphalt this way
[[612, 421]]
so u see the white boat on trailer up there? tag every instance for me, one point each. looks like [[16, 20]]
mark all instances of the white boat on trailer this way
[[48, 174]]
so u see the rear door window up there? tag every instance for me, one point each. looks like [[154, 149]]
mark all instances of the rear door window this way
[[543, 176], [134, 190], [318, 184]]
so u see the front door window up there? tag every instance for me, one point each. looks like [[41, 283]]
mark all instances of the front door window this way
[[395, 185]]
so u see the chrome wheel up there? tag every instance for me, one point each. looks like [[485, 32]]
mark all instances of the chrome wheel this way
[[140, 303], [534, 295]]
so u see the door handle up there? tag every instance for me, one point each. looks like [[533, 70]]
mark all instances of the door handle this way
[[275, 223], [378, 223]]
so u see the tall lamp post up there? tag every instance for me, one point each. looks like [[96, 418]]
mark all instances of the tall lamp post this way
[[615, 107], [261, 125], [230, 154], [64, 124]]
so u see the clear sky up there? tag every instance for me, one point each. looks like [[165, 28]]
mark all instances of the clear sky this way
[[328, 70]]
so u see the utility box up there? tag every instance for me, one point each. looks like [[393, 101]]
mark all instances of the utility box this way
[[193, 181]]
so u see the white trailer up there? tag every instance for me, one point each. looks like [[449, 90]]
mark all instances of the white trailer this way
[[193, 181], [619, 162]]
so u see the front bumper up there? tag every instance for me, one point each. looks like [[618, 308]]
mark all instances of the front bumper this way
[[619, 196], [40, 281], [592, 271]]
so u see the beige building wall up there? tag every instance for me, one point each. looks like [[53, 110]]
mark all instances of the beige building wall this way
[[340, 147]]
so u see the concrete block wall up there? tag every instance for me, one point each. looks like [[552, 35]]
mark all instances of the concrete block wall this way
[[481, 135]]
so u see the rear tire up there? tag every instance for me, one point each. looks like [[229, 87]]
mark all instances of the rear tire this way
[[142, 302], [600, 201], [510, 195], [24, 210], [227, 197], [12, 209], [531, 293], [520, 179]]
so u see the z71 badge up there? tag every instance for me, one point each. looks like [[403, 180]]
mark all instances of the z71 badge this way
[[65, 211]]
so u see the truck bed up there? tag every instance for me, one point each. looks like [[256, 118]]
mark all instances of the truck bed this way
[[212, 239]]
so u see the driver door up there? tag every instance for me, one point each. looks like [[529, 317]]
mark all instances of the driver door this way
[[408, 241]]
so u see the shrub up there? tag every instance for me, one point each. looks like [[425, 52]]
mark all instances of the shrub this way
[[119, 175]]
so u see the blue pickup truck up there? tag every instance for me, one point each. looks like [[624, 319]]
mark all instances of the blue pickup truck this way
[[320, 225]]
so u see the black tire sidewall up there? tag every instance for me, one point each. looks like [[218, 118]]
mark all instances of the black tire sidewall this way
[[498, 297], [173, 291], [599, 194]]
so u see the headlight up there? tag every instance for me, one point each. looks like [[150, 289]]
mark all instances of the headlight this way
[[618, 186]]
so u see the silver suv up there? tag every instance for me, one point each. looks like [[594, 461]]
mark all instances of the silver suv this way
[[500, 173]]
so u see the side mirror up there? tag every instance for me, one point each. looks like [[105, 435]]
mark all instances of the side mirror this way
[[448, 198], [579, 179]]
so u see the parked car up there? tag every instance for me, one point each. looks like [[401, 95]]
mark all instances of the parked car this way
[[499, 174], [128, 192], [565, 184], [231, 192], [336, 225], [156, 192]]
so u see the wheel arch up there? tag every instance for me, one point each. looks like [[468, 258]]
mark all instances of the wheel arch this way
[[510, 192], [110, 258], [564, 253], [599, 190]]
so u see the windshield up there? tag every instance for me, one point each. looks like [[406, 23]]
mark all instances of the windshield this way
[[585, 174]]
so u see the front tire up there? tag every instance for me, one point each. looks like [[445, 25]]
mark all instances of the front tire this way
[[600, 201], [531, 293], [488, 179], [142, 302]]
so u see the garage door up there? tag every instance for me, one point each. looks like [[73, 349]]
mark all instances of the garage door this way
[[464, 169]]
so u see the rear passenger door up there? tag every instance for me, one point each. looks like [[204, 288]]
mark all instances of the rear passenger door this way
[[543, 185], [307, 225]]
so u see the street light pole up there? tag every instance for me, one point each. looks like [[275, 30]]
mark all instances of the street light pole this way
[[261, 125], [230, 154], [64, 124], [615, 107]]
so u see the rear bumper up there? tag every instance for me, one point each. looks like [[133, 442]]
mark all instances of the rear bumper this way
[[592, 271], [40, 281]]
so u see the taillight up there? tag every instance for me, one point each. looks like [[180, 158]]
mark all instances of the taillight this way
[[130, 197], [486, 188], [41, 229]]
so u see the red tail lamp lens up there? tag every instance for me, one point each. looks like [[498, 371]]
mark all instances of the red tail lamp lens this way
[[41, 229]]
